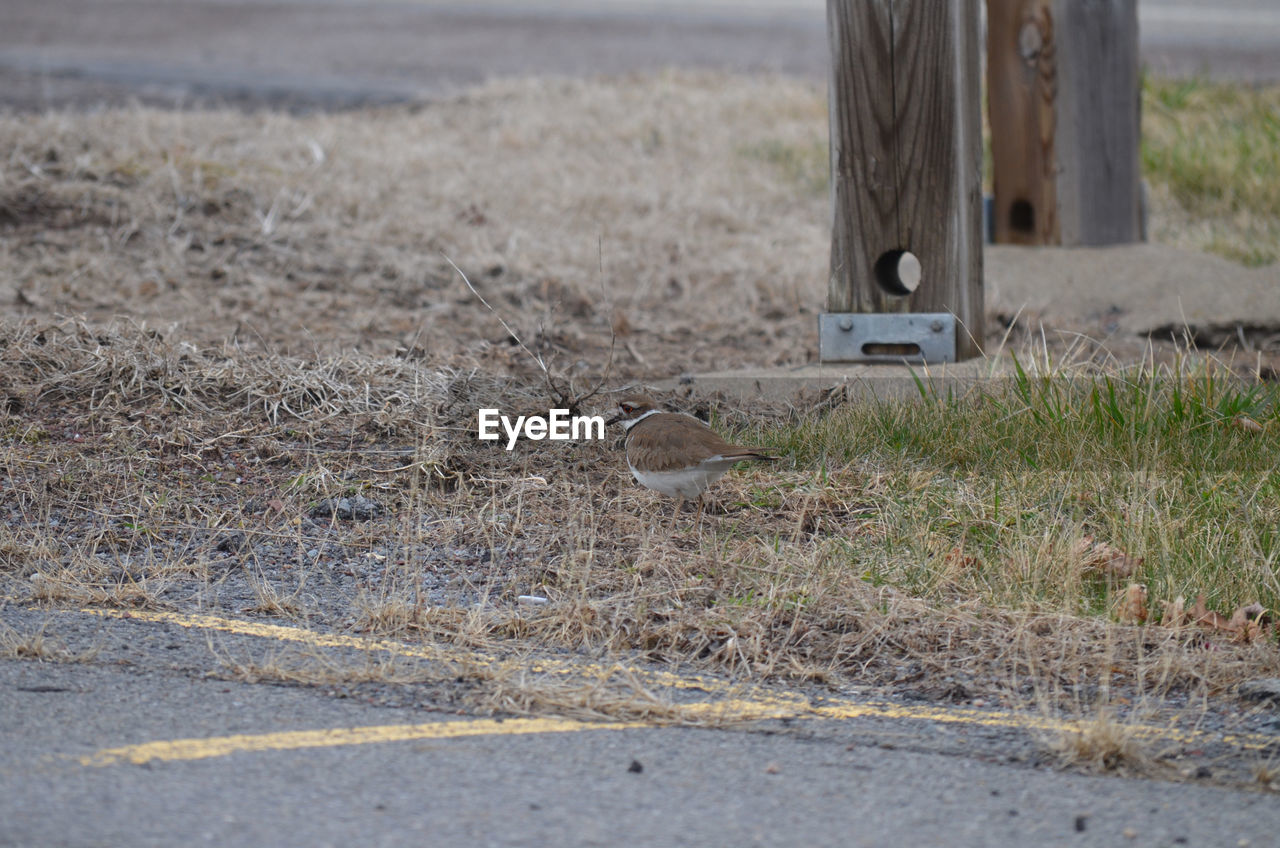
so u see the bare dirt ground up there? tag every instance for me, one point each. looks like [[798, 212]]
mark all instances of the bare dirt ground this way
[[576, 207]]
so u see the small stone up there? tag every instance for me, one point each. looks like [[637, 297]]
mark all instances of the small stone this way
[[1081, 823], [363, 509], [230, 542], [1262, 689], [358, 508], [636, 767], [1129, 833], [1204, 771]]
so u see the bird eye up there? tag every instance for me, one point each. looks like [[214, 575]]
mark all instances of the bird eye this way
[[626, 407]]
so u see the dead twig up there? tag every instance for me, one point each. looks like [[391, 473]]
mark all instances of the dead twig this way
[[562, 396]]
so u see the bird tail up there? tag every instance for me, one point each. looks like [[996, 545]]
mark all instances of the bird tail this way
[[742, 453]]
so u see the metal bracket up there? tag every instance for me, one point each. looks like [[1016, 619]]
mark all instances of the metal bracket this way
[[887, 337]]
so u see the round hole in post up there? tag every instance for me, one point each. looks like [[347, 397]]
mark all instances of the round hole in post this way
[[1022, 216], [898, 272], [1030, 41]]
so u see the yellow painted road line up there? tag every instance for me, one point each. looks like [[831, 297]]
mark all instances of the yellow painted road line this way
[[279, 632], [753, 710], [300, 635], [1022, 721], [730, 705], [221, 746]]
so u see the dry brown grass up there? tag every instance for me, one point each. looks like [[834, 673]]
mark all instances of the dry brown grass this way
[[519, 685], [1104, 744], [15, 644], [293, 334], [316, 668], [203, 496], [1266, 774], [327, 232]]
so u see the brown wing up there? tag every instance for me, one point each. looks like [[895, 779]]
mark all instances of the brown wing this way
[[669, 442]]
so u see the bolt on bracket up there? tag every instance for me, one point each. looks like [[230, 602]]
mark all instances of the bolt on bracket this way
[[887, 337]]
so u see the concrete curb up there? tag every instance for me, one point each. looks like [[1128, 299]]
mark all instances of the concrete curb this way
[[812, 382]]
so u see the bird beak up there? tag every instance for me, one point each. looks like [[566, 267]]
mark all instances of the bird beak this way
[[614, 420]]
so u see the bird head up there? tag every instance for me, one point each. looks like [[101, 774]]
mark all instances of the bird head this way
[[632, 408]]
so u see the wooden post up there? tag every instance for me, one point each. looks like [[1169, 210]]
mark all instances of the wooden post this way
[[1064, 100], [906, 161]]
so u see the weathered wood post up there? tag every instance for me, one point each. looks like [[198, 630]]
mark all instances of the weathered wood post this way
[[906, 182], [1063, 96]]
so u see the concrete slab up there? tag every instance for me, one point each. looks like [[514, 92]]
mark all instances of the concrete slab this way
[[1118, 295], [809, 383], [1134, 289]]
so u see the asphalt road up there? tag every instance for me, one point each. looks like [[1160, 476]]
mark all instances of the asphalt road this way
[[336, 53], [822, 786], [150, 743]]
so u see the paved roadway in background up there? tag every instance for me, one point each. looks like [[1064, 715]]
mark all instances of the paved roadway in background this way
[[331, 53]]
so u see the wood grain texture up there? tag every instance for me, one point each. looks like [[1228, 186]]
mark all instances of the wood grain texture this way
[[1063, 98], [1022, 92], [906, 156], [1099, 103]]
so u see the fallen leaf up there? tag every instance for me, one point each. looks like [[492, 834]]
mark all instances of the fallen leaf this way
[[1174, 612], [1244, 422], [1244, 625], [1205, 617], [957, 562], [1241, 616], [1107, 560], [1247, 621], [1133, 608]]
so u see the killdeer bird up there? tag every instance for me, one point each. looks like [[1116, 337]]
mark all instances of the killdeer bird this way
[[674, 453]]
